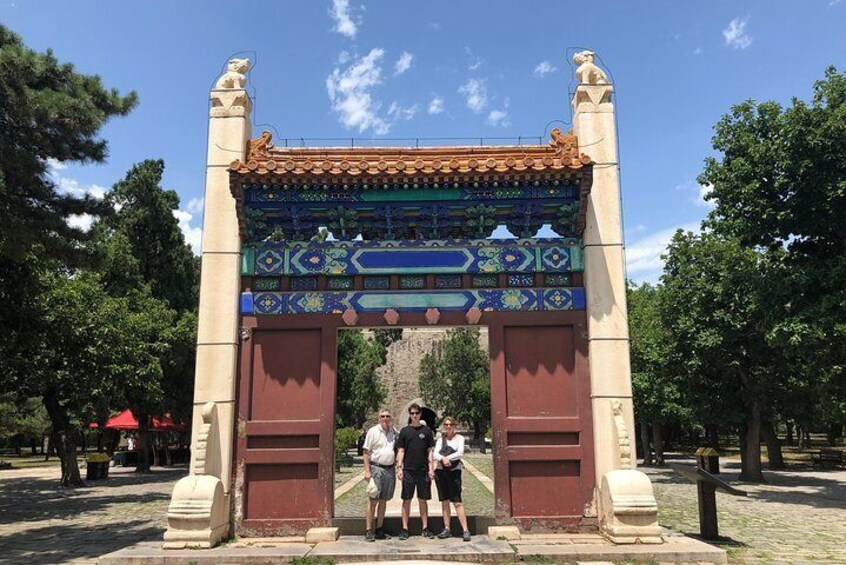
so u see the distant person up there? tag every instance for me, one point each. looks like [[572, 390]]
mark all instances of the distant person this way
[[449, 448], [415, 469], [359, 445], [379, 467]]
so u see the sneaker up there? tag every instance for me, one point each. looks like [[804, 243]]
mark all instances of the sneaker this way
[[445, 533], [382, 534], [426, 533], [466, 536], [403, 535], [369, 536]]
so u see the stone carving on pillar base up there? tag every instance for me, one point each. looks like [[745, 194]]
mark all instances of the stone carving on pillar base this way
[[624, 442], [229, 99], [628, 512], [198, 515], [593, 82]]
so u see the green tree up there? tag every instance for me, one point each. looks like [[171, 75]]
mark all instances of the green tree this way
[[83, 348], [47, 111], [359, 390], [456, 379], [148, 262], [657, 392], [22, 419], [779, 186], [711, 304]]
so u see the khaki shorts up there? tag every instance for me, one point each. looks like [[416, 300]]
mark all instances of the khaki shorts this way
[[386, 481]]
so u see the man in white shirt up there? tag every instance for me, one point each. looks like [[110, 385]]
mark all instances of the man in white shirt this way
[[379, 460]]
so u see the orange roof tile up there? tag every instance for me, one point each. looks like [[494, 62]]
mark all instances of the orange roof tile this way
[[561, 154]]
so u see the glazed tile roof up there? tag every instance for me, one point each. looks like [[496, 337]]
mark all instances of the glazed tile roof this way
[[561, 154]]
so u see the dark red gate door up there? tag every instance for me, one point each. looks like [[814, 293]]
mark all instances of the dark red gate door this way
[[286, 412], [542, 421]]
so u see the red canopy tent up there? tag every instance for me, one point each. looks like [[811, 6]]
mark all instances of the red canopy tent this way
[[127, 421]]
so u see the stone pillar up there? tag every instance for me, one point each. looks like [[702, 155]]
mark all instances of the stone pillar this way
[[217, 334], [608, 335]]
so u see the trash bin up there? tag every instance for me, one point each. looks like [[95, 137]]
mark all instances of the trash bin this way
[[97, 467], [708, 458]]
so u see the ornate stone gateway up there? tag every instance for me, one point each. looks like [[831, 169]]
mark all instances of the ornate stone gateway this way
[[410, 247]]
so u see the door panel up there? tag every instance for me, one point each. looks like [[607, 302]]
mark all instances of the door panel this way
[[546, 445], [283, 431]]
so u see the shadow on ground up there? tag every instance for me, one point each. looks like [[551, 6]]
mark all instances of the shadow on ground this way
[[28, 499]]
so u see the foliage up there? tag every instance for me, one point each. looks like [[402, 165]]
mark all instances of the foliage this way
[[779, 185], [359, 390], [23, 417], [148, 247], [656, 389], [713, 308], [345, 439], [47, 111], [456, 380]]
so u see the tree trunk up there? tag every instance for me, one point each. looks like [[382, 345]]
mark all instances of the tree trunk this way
[[788, 439], [713, 433], [644, 441], [32, 446], [774, 455], [658, 442], [143, 443], [800, 431], [51, 448], [64, 441], [750, 454]]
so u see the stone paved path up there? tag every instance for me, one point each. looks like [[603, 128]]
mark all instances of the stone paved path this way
[[41, 523], [798, 517]]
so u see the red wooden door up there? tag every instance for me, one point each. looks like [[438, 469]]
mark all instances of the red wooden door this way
[[542, 422], [284, 452]]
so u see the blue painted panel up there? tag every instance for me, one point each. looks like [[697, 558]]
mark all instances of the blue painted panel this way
[[503, 300], [246, 303]]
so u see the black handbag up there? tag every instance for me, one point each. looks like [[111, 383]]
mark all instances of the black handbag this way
[[446, 451]]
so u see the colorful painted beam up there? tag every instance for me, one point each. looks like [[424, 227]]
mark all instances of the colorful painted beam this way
[[511, 299], [412, 257]]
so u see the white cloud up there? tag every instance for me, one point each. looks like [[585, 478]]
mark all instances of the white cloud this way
[[403, 63], [195, 205], [55, 165], [343, 57], [704, 190], [81, 221], [498, 118], [735, 34], [544, 68], [643, 257], [475, 94], [436, 106], [344, 24], [399, 113], [697, 51], [476, 62], [193, 235], [350, 93], [71, 186]]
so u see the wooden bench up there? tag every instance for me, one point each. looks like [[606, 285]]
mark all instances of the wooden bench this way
[[830, 457]]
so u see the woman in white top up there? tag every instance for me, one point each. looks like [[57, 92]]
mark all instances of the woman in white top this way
[[448, 451]]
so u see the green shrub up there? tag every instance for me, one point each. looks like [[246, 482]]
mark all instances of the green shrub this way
[[345, 439]]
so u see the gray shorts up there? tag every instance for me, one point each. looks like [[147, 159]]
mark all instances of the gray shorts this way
[[386, 481]]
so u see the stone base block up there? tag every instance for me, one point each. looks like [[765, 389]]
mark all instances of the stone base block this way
[[198, 515], [628, 512], [508, 533], [317, 535]]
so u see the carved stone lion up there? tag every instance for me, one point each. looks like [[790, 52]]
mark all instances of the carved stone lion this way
[[587, 71], [234, 77]]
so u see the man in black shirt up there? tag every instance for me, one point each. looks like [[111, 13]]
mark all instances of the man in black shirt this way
[[415, 469]]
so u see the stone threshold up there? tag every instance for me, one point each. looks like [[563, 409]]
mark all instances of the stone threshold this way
[[557, 548]]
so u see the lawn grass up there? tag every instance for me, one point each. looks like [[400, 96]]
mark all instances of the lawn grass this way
[[483, 463]]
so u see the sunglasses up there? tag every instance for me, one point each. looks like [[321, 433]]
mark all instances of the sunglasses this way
[[414, 413], [385, 417], [449, 425]]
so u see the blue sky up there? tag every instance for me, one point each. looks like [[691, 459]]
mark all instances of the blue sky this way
[[437, 69]]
